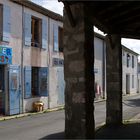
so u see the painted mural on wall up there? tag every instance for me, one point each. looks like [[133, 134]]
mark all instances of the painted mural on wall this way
[[5, 55]]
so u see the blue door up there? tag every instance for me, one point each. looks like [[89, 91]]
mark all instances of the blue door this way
[[61, 85], [14, 93]]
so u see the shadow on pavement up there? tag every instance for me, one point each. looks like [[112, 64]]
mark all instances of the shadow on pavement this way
[[134, 102], [54, 136], [126, 131]]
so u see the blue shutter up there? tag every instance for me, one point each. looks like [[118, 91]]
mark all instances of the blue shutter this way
[[44, 34], [27, 82], [43, 81], [55, 37], [27, 29], [6, 23]]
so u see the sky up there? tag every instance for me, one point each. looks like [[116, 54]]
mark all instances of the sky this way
[[57, 7]]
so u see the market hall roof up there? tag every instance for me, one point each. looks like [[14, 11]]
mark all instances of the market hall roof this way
[[113, 17]]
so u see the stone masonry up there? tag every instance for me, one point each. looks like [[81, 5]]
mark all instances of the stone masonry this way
[[114, 80], [79, 75]]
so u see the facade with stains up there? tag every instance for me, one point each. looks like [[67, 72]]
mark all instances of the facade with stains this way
[[31, 58]]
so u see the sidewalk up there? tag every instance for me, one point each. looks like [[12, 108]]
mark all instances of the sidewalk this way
[[2, 118]]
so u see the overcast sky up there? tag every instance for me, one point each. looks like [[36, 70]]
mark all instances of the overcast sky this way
[[57, 7]]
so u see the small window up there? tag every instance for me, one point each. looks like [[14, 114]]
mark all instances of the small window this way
[[128, 59], [132, 81], [60, 39], [36, 32], [132, 61]]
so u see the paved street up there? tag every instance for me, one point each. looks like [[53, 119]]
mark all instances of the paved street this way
[[39, 126], [131, 107]]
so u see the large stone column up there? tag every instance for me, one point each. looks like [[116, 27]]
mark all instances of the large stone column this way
[[79, 74], [114, 80]]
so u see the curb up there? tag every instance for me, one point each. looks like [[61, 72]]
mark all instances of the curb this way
[[99, 100], [30, 114]]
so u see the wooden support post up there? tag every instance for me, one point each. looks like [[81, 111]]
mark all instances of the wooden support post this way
[[79, 74], [114, 80]]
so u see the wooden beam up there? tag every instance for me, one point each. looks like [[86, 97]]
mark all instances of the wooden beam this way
[[69, 13]]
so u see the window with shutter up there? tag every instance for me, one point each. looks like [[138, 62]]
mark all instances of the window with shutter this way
[[43, 83], [45, 34], [35, 32], [55, 37], [27, 82], [60, 39], [27, 29], [6, 23]]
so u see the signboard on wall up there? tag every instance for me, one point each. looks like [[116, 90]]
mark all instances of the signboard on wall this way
[[58, 62], [5, 55]]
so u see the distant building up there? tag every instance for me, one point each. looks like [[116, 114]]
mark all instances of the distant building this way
[[99, 66], [129, 69]]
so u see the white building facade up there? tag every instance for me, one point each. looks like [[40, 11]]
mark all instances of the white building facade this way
[[129, 71]]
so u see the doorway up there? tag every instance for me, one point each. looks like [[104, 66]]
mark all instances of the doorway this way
[[2, 89]]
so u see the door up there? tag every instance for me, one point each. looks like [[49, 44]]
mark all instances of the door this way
[[14, 93], [61, 85], [127, 84], [2, 92]]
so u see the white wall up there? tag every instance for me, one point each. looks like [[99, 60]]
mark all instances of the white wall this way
[[130, 71]]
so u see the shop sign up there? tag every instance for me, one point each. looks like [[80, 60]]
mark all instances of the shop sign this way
[[5, 55], [58, 62]]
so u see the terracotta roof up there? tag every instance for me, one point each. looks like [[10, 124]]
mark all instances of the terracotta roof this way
[[39, 9]]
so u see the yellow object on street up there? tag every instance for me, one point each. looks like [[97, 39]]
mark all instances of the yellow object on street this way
[[38, 106]]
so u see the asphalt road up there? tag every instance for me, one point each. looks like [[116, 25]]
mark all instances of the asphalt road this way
[[131, 107], [37, 127]]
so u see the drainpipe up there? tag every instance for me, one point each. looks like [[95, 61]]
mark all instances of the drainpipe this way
[[22, 45], [49, 65], [104, 70]]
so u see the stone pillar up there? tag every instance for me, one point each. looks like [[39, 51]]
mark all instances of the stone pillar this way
[[114, 80], [79, 74]]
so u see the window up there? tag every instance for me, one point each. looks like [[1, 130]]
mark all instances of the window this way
[[35, 32], [128, 59], [5, 23], [60, 39], [35, 81], [132, 81], [132, 61]]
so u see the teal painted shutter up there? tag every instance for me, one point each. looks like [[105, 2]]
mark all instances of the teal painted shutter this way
[[43, 81], [6, 23], [27, 82], [55, 37], [44, 34], [27, 29]]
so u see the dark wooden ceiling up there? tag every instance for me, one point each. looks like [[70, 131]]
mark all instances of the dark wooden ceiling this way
[[117, 17]]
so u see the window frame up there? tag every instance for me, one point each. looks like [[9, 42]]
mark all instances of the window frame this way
[[39, 41]]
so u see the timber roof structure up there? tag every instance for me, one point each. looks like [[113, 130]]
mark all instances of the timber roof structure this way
[[114, 17]]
